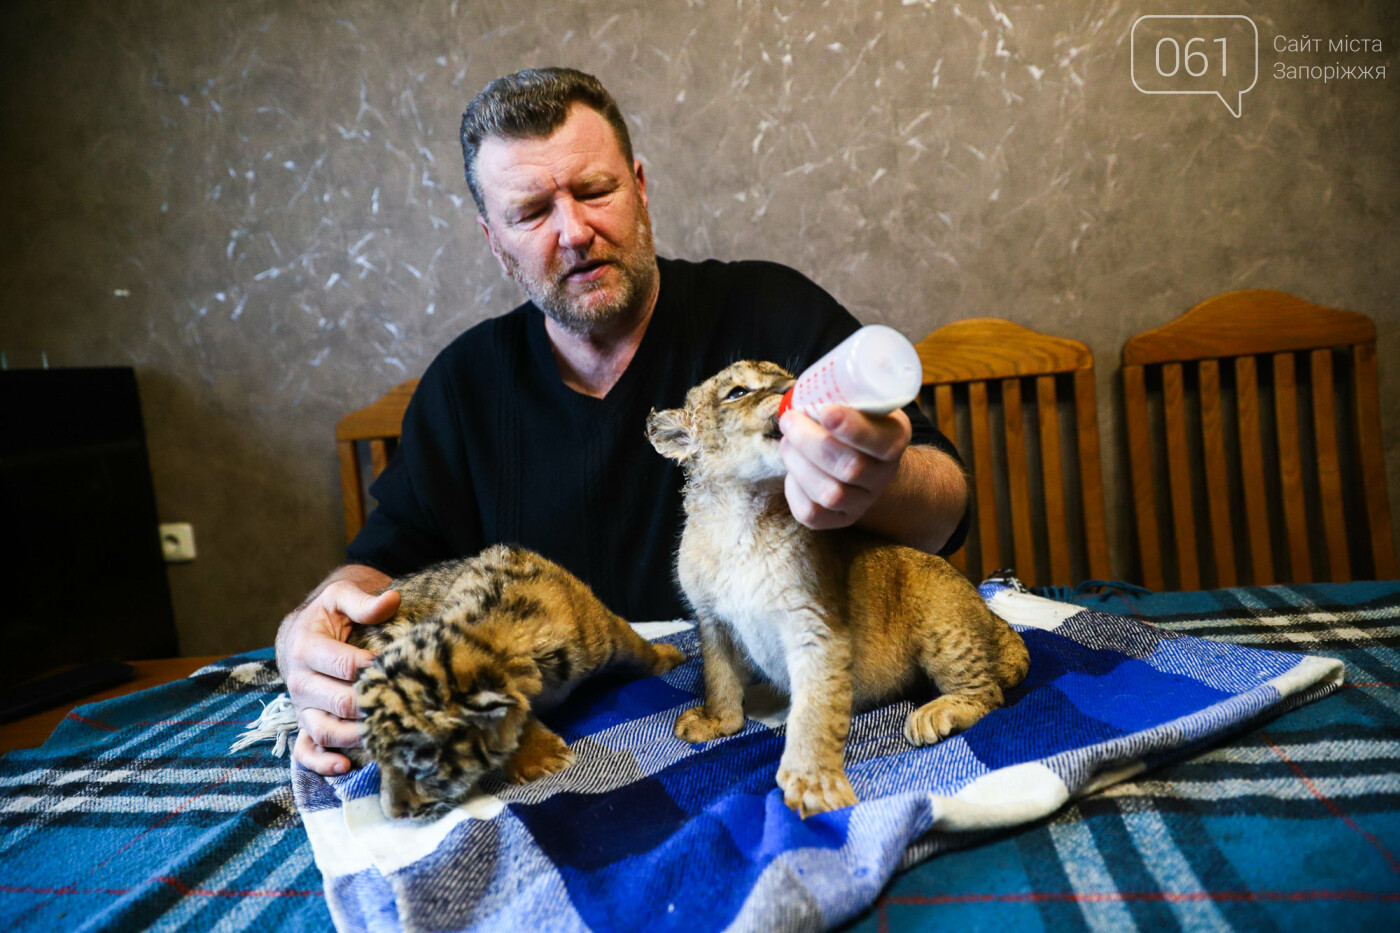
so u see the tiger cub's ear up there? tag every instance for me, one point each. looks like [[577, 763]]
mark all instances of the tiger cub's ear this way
[[496, 687], [487, 706]]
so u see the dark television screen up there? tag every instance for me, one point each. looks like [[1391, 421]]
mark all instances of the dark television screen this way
[[84, 572]]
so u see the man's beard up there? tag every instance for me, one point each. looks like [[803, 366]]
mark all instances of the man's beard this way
[[636, 268]]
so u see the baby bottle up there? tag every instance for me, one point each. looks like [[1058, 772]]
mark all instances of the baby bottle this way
[[875, 370]]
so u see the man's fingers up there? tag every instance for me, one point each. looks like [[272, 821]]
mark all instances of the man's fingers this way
[[328, 731], [883, 437], [807, 512], [335, 658], [810, 441], [310, 690], [359, 606], [310, 755], [823, 490], [827, 452]]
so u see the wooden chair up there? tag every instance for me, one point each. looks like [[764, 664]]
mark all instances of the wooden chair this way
[[377, 426], [991, 358], [1226, 349]]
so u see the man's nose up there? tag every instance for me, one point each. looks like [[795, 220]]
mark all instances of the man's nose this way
[[574, 230]]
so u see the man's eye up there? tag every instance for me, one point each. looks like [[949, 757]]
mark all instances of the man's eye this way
[[737, 392]]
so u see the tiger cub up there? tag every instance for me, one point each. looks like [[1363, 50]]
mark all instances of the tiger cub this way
[[477, 646]]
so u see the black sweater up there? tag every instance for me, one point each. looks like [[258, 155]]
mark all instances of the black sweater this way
[[496, 448]]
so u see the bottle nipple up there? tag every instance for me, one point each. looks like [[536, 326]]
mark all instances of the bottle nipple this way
[[786, 402]]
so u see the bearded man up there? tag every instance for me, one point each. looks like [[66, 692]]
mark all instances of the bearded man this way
[[528, 428]]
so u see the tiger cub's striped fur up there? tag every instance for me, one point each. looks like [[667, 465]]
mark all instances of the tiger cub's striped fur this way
[[476, 647]]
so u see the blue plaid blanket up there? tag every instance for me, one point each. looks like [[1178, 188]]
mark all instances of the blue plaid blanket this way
[[1293, 824], [135, 816], [645, 832]]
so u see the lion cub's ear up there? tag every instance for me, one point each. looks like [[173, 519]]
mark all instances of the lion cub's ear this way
[[672, 433]]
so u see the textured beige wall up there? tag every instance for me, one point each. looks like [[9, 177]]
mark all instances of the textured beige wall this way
[[259, 205]]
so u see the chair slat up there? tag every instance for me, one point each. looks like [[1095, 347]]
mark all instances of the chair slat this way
[[1179, 471], [947, 423], [1140, 460], [1086, 416], [351, 494], [378, 457], [1261, 556], [987, 535], [1368, 434], [1018, 480], [1217, 475], [1329, 466], [1052, 473], [945, 412], [1290, 467]]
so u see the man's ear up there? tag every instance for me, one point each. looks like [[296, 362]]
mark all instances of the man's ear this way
[[641, 176], [671, 433], [491, 242]]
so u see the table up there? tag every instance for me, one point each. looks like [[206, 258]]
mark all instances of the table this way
[[134, 816], [31, 731]]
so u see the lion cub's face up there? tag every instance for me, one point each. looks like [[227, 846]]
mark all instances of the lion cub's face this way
[[728, 429], [435, 730]]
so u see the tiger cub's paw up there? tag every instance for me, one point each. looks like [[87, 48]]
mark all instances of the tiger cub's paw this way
[[546, 754], [668, 657]]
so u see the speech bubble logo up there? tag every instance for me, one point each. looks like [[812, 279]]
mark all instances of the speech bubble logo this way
[[1196, 54]]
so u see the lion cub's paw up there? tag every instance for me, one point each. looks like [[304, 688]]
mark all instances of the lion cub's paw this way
[[936, 720], [810, 791], [696, 726], [668, 657], [547, 754]]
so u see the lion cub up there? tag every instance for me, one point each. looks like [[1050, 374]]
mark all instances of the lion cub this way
[[836, 619], [476, 647]]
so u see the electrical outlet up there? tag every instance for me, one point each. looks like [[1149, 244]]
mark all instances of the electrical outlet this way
[[177, 542]]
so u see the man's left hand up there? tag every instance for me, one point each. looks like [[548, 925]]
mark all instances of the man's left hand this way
[[840, 464]]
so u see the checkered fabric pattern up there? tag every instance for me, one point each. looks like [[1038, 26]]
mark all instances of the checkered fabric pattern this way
[[135, 816], [1292, 824], [645, 832]]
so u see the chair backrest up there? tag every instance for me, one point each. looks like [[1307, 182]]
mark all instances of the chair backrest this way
[[377, 427], [984, 360], [1230, 352]]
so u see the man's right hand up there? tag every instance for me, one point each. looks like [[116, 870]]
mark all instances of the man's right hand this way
[[319, 668]]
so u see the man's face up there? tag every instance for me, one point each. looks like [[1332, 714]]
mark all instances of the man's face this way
[[566, 217]]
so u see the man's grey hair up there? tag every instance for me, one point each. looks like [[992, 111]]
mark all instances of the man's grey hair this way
[[532, 104]]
